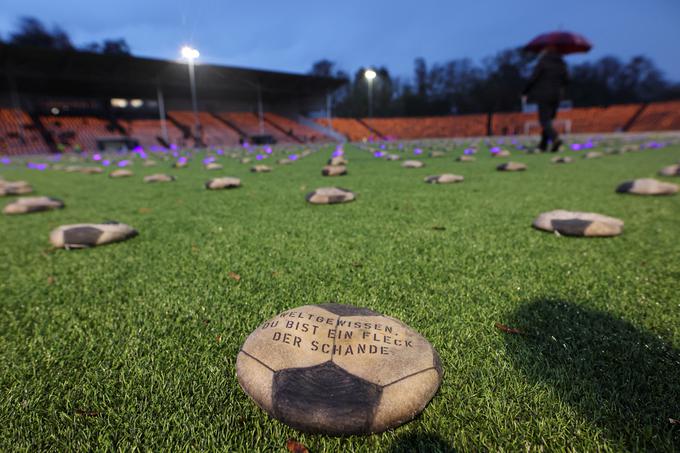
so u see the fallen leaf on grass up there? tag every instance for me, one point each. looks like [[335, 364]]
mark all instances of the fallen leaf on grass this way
[[218, 338], [50, 280], [84, 413], [294, 446], [144, 210], [234, 276], [506, 329], [674, 421]]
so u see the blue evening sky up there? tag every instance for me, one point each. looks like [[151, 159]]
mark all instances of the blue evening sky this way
[[291, 35]]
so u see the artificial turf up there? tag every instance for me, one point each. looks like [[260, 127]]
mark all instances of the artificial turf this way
[[133, 345]]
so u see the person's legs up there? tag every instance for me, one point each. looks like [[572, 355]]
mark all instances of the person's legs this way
[[546, 113], [556, 142]]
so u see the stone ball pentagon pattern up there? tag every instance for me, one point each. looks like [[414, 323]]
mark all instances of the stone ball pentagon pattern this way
[[120, 173], [83, 235], [446, 178], [261, 169], [330, 195], [15, 188], [648, 186], [223, 183], [26, 205], [574, 223], [159, 177], [338, 370], [512, 166], [671, 170], [334, 170], [413, 164]]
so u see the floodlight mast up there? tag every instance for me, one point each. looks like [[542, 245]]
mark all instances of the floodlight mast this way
[[370, 74], [191, 54]]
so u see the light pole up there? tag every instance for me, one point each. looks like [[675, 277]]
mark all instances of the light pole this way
[[370, 74], [191, 54]]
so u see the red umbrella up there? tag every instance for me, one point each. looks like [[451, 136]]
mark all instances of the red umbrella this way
[[564, 42]]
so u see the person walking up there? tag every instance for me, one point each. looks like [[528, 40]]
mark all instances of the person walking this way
[[546, 88]]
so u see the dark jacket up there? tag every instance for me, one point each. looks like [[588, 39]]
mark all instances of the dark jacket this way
[[548, 80]]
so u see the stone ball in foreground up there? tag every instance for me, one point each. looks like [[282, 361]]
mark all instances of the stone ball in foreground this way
[[330, 195], [671, 170], [120, 173], [592, 155], [437, 154], [261, 169], [465, 158], [393, 157], [334, 170], [85, 235], [91, 170], [15, 188], [501, 153], [223, 183], [512, 166], [574, 223], [412, 164], [159, 177], [27, 205], [446, 178], [338, 370], [648, 186], [213, 166]]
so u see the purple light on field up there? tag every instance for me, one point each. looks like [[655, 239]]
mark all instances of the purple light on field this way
[[401, 146], [417, 151], [500, 141], [208, 160], [142, 154], [173, 147], [654, 145], [34, 166], [588, 144], [97, 157], [175, 154], [137, 149], [576, 147], [514, 141], [124, 163], [259, 157], [106, 162], [337, 153], [182, 160], [379, 154], [469, 151], [219, 152], [382, 146], [293, 157], [6, 160], [495, 149], [268, 149]]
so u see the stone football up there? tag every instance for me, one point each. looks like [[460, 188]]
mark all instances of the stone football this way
[[27, 205], [159, 177], [84, 235], [574, 223], [15, 188], [120, 173], [334, 170], [338, 370], [223, 183], [648, 186], [330, 195], [512, 166], [446, 178], [261, 169], [412, 164], [671, 170]]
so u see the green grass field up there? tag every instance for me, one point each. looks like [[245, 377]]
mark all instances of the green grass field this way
[[133, 345]]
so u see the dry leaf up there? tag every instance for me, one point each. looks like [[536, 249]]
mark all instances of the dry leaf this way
[[84, 413], [674, 421], [234, 276], [144, 210], [506, 329], [218, 338], [50, 280], [294, 446]]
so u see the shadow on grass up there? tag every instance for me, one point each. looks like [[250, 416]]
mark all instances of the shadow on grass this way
[[624, 380], [418, 442]]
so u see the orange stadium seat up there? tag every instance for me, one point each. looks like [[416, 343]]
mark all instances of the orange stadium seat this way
[[429, 127], [250, 124], [148, 131], [349, 127], [658, 116], [78, 131], [304, 133], [215, 132], [18, 134]]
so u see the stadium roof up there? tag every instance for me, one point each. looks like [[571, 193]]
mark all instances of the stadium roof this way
[[81, 74]]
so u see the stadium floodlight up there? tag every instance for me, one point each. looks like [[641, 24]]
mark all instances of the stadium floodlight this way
[[370, 74], [191, 54]]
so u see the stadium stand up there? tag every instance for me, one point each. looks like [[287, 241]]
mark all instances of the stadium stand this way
[[250, 124], [18, 134], [215, 133], [148, 132], [300, 131], [429, 127], [78, 132], [599, 119], [658, 116], [349, 127]]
